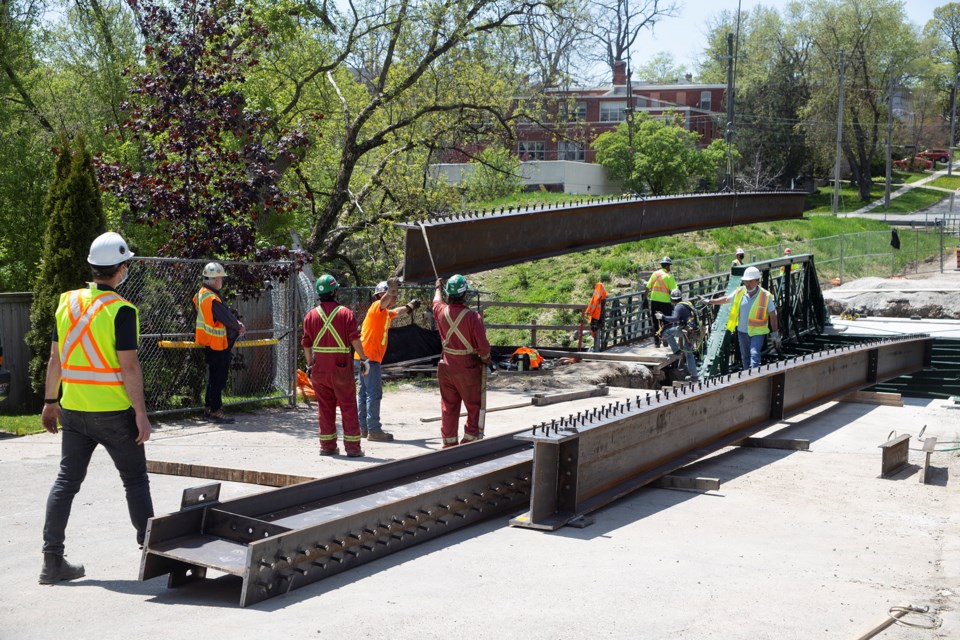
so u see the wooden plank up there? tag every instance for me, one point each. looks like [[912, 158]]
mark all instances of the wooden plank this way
[[542, 400], [224, 474], [792, 444], [873, 397], [687, 483], [406, 363], [929, 446]]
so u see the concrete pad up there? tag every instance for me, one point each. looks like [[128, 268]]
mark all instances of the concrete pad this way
[[794, 545]]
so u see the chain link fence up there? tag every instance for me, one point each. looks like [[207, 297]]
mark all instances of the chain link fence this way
[[264, 360], [843, 257]]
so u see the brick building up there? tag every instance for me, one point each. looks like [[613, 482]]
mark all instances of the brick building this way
[[577, 115]]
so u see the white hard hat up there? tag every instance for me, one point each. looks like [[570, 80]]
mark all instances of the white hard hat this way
[[787, 251], [675, 294], [740, 251], [381, 288], [214, 270], [108, 249], [751, 273]]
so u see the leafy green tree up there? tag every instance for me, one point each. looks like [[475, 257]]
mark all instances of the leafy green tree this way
[[876, 40], [660, 68], [75, 217], [496, 174], [665, 158]]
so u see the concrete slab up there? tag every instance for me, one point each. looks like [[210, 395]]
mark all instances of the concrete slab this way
[[795, 545]]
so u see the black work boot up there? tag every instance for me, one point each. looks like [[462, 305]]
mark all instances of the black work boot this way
[[56, 569]]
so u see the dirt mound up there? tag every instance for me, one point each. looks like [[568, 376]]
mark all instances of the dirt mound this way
[[566, 377]]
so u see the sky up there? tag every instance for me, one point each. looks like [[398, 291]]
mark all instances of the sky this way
[[685, 36]]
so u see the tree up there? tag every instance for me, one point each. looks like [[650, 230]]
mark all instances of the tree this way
[[75, 217], [496, 174], [665, 159], [875, 40], [208, 167], [616, 24], [660, 68]]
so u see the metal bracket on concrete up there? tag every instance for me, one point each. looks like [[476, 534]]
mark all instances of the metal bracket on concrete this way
[[929, 446], [587, 460], [207, 493], [895, 453]]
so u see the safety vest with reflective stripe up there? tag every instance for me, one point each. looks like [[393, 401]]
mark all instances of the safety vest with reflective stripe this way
[[758, 320], [661, 283], [86, 340], [208, 331], [453, 330], [599, 294], [328, 328]]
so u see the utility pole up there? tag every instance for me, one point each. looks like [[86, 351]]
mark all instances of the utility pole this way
[[836, 167], [953, 125], [886, 191], [728, 134]]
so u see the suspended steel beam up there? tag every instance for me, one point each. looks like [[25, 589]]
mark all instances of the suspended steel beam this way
[[585, 462], [478, 241]]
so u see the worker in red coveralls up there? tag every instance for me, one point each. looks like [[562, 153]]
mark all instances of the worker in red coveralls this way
[[329, 330], [465, 351]]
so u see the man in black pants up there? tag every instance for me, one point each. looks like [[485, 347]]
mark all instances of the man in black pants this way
[[93, 360], [216, 329]]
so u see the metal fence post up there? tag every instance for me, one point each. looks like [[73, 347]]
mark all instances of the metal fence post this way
[[841, 258], [941, 248]]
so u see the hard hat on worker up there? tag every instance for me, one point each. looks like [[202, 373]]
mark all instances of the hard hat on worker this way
[[676, 295], [665, 260], [326, 284], [788, 251], [381, 288], [456, 285], [751, 273], [214, 270], [740, 251], [108, 249]]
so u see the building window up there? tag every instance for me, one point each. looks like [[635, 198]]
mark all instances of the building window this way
[[576, 112], [705, 101], [531, 151], [613, 111], [574, 151]]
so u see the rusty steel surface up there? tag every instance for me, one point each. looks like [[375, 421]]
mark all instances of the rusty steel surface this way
[[472, 242], [584, 462], [286, 538]]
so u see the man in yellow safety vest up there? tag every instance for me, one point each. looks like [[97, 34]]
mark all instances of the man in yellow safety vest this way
[[752, 316], [659, 286], [93, 362]]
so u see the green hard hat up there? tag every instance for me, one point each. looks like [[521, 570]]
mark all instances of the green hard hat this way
[[456, 285], [326, 284]]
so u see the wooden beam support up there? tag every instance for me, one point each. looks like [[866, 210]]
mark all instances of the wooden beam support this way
[[265, 478], [687, 483], [791, 444], [542, 400], [896, 453], [872, 397], [929, 446]]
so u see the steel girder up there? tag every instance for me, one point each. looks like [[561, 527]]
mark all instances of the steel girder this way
[[585, 462], [286, 538], [478, 241]]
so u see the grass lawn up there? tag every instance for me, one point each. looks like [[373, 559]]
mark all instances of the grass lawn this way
[[946, 182], [911, 201], [21, 425]]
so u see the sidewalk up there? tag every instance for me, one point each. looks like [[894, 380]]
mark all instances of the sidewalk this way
[[942, 209]]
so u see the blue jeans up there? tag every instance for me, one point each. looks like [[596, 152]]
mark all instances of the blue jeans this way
[[368, 397], [82, 432], [218, 368], [671, 334], [750, 349]]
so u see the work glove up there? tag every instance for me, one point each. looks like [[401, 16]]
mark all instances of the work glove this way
[[775, 338], [659, 315], [413, 305], [491, 366], [393, 286], [439, 284], [364, 367], [309, 370]]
